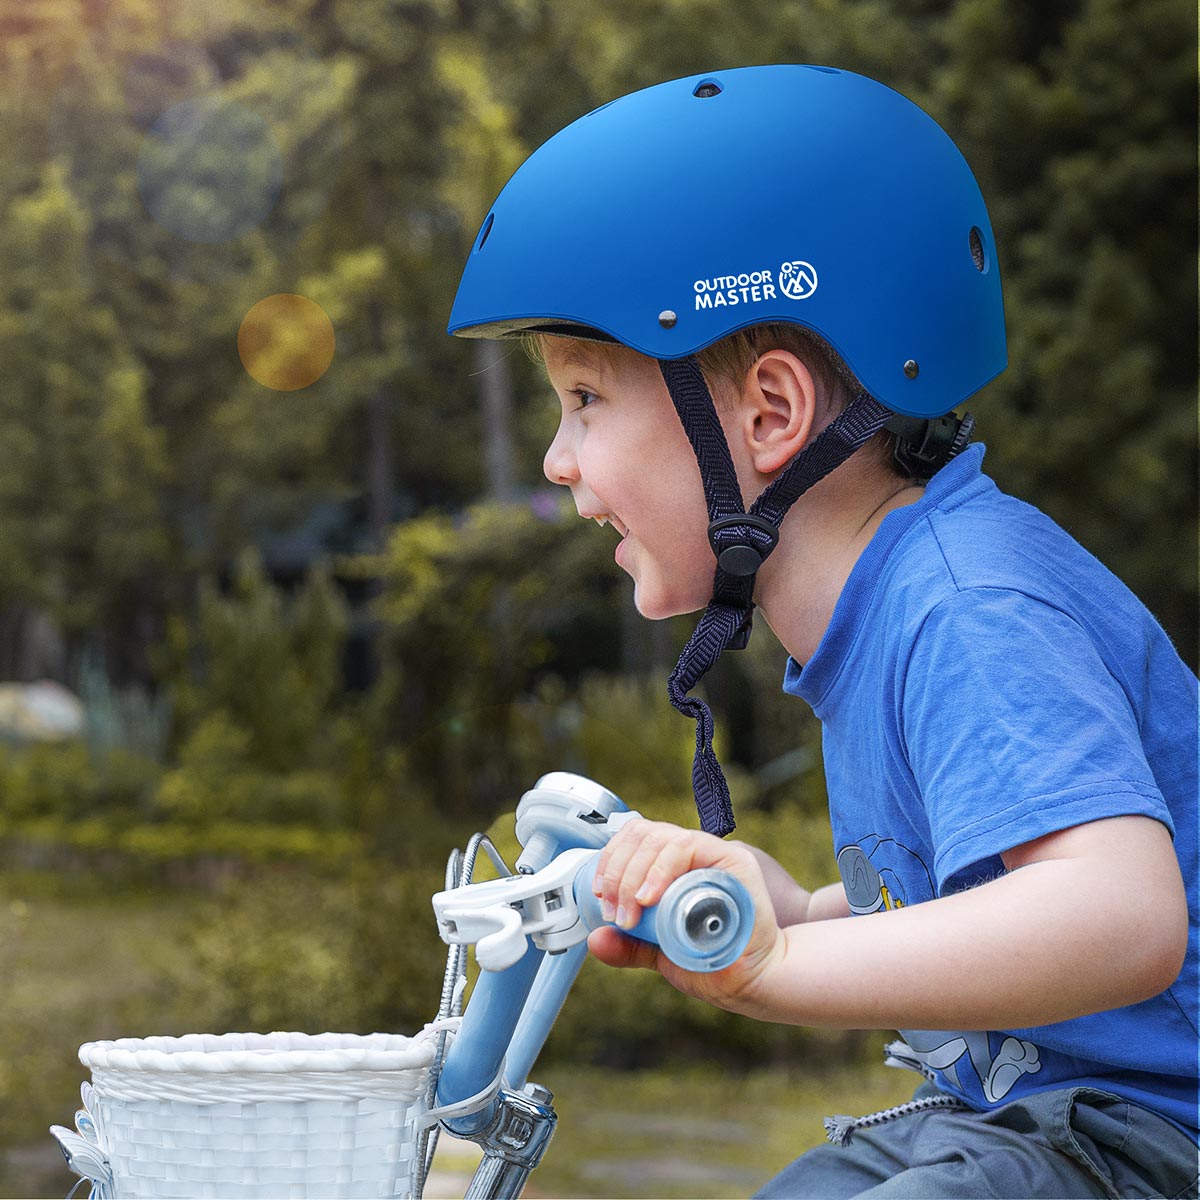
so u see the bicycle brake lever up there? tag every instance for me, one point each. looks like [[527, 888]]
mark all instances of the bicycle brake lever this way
[[499, 915]]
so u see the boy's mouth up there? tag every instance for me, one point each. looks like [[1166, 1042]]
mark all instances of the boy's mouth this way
[[603, 519]]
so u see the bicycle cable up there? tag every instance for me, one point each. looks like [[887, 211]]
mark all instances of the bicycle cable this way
[[460, 871]]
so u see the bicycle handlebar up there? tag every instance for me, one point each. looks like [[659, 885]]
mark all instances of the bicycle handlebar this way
[[529, 931], [702, 923]]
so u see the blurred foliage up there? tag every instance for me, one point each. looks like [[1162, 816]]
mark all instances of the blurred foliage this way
[[141, 458], [287, 949], [269, 664], [474, 610], [69, 782], [148, 483]]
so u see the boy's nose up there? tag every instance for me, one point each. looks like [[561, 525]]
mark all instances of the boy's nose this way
[[559, 465]]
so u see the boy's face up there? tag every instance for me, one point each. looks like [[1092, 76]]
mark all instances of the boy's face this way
[[622, 451]]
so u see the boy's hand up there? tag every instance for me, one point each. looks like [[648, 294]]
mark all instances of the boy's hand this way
[[632, 873]]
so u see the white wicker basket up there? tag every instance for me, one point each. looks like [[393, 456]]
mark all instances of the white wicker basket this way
[[252, 1115]]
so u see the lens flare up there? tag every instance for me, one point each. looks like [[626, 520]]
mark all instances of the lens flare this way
[[286, 342]]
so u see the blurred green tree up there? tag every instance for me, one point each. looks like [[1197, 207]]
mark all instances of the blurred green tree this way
[[1078, 119], [82, 529], [474, 612], [269, 665]]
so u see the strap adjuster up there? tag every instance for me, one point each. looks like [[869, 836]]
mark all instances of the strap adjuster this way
[[741, 639], [742, 558], [925, 445]]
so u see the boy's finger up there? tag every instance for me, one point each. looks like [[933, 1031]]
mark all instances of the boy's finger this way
[[652, 837], [676, 856], [616, 853], [659, 859], [614, 949], [621, 851]]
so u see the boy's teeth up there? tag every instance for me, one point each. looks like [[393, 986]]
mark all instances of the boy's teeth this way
[[615, 522]]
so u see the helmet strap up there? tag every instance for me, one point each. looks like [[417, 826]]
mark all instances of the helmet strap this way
[[741, 541]]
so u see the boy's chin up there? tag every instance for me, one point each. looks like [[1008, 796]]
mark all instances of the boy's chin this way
[[655, 605]]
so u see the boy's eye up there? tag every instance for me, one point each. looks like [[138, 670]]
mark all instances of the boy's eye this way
[[585, 398]]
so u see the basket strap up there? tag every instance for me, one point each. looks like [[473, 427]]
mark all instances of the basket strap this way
[[461, 1108]]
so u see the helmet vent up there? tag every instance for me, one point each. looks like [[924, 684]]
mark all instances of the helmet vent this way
[[710, 87], [977, 252], [485, 231]]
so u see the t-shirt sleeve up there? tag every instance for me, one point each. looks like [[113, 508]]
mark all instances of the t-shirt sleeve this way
[[1014, 728]]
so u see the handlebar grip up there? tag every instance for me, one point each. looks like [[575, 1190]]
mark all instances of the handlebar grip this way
[[702, 923]]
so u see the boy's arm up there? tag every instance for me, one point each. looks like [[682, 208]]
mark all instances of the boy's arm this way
[[794, 904], [1090, 918]]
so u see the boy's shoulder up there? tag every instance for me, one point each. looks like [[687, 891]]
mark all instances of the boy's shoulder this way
[[969, 536], [970, 574], [974, 567], [986, 586], [981, 537]]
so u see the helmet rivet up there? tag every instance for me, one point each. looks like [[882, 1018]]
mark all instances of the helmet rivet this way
[[667, 318], [911, 369]]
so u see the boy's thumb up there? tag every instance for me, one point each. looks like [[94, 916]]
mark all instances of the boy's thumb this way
[[615, 949]]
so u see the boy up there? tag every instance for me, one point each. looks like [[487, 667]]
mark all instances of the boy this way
[[785, 276]]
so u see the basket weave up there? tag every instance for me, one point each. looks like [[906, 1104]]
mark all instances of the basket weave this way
[[252, 1115]]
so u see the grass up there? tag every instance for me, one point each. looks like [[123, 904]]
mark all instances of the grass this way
[[692, 1133], [77, 965], [697, 1132]]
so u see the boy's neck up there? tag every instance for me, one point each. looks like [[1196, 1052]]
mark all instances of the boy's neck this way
[[824, 535]]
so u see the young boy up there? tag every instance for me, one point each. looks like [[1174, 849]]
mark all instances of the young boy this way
[[785, 277]]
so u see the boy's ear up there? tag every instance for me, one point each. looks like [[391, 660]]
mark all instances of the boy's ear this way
[[777, 410]]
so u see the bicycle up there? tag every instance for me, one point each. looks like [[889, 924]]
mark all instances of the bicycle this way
[[369, 1110]]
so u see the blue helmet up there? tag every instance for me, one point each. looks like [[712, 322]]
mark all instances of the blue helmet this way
[[674, 216], [677, 215]]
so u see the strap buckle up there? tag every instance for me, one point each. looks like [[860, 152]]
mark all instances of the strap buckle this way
[[742, 557]]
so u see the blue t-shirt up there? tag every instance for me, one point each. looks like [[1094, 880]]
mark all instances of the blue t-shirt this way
[[984, 682]]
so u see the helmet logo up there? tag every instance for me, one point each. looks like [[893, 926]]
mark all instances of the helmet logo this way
[[797, 280]]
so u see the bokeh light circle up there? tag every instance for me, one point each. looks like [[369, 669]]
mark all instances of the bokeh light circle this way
[[286, 342], [210, 170], [294, 100]]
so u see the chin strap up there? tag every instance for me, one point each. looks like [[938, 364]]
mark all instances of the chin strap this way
[[741, 541]]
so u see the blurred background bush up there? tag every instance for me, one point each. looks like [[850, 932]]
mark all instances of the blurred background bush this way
[[269, 651]]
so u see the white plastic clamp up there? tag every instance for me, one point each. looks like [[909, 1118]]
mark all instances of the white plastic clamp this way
[[499, 914]]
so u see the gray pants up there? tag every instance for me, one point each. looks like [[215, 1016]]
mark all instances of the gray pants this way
[[1063, 1144]]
